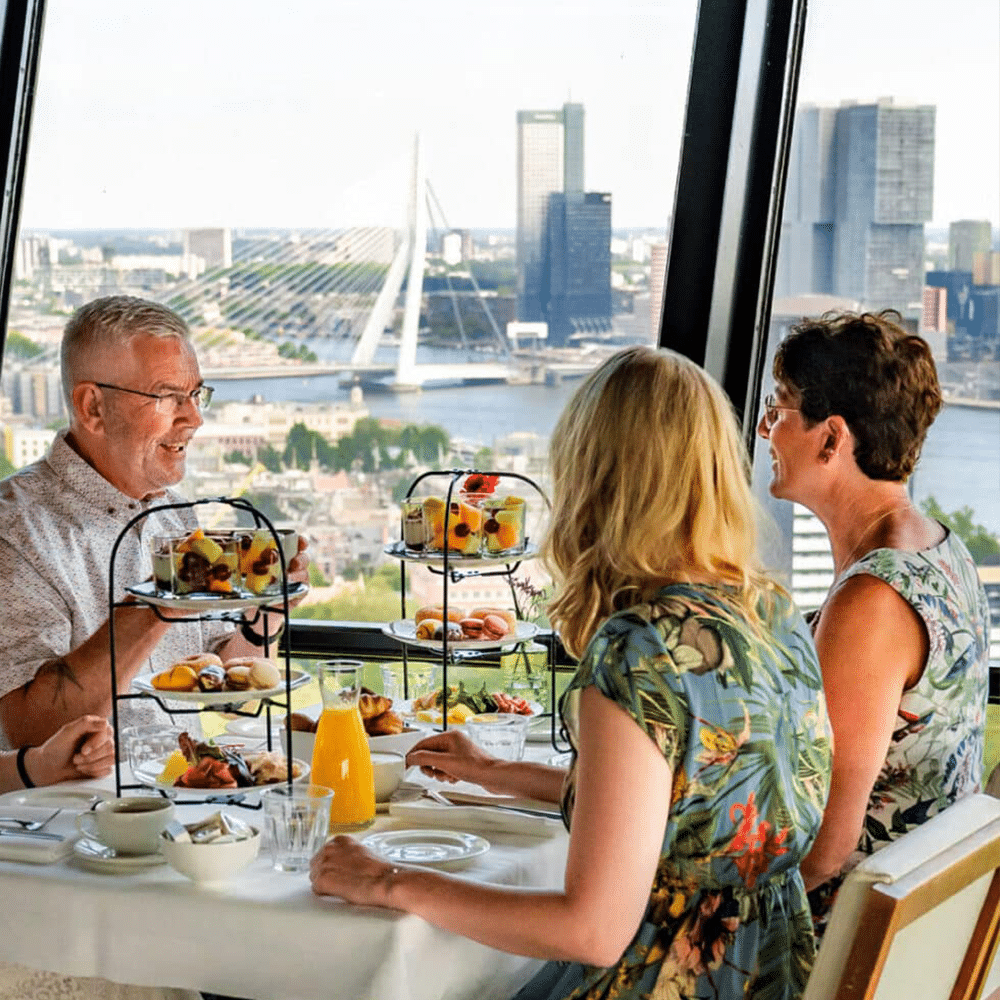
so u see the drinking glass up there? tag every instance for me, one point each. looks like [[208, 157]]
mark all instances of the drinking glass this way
[[297, 820], [498, 733]]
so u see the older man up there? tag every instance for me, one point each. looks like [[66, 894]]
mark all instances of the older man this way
[[135, 394]]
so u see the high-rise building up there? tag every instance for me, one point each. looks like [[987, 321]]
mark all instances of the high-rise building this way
[[213, 246], [860, 188], [563, 233], [579, 265], [540, 159], [966, 238], [657, 279]]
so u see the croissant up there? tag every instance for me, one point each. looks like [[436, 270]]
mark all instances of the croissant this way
[[371, 705], [386, 724]]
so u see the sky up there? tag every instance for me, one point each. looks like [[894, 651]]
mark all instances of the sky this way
[[303, 113]]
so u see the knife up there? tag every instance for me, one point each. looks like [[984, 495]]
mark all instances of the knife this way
[[463, 799], [39, 834]]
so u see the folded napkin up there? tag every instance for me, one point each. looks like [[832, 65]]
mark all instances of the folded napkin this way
[[16, 846], [473, 818]]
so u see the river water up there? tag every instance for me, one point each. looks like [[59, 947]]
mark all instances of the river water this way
[[960, 465]]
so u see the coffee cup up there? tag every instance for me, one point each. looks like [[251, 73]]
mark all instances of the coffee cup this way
[[129, 825]]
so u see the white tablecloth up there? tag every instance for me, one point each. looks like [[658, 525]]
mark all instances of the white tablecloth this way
[[262, 935]]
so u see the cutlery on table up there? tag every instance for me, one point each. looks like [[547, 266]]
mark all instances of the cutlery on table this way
[[29, 824], [36, 834], [462, 800]]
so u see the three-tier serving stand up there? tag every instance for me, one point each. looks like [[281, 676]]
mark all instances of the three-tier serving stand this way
[[204, 607]]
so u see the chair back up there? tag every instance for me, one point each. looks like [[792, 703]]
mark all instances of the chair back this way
[[921, 917]]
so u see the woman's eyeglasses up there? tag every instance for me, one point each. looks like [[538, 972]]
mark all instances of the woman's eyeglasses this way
[[771, 410], [170, 402]]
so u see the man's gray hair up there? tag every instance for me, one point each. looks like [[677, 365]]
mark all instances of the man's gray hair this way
[[108, 323]]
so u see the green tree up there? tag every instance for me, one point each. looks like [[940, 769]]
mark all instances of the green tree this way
[[21, 347], [269, 458], [983, 546], [236, 457], [6, 467]]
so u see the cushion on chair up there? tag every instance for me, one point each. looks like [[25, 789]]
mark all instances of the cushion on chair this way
[[889, 865]]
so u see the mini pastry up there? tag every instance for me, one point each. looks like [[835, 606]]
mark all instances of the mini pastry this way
[[211, 678], [386, 724], [198, 661], [455, 633], [472, 628], [301, 723], [508, 616], [436, 612], [237, 678], [177, 678], [370, 705], [494, 627], [425, 629], [264, 675]]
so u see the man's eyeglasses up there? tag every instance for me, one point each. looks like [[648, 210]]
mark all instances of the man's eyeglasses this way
[[771, 409], [170, 402]]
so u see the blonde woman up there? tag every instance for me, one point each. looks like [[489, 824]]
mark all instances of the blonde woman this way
[[702, 753]]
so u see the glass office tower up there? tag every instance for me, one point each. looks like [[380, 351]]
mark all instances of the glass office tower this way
[[860, 188]]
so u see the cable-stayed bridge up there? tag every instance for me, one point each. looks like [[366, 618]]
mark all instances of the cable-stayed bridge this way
[[344, 284]]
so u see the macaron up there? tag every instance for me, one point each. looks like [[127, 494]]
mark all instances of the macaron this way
[[472, 628], [238, 678], [494, 627], [264, 675]]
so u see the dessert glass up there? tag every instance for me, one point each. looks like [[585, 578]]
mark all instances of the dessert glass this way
[[503, 525], [463, 521], [412, 525], [198, 562]]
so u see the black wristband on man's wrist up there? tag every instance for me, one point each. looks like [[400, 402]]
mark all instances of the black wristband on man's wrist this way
[[21, 771], [255, 638]]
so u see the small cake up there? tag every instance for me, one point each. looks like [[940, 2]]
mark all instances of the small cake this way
[[179, 677], [211, 678]]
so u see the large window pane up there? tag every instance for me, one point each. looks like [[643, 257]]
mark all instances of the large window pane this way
[[892, 201], [256, 170]]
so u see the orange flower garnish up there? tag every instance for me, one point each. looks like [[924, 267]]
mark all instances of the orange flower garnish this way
[[480, 483]]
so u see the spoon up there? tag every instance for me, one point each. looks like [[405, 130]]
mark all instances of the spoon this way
[[30, 824]]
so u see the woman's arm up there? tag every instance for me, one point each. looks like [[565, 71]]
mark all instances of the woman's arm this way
[[619, 818], [452, 756], [871, 646]]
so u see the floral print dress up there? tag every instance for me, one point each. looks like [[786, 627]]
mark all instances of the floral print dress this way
[[936, 752], [741, 719]]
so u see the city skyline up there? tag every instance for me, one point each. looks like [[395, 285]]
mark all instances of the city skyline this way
[[150, 118]]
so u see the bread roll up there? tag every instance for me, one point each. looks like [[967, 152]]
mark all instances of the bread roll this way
[[371, 705], [386, 724], [301, 723], [436, 611]]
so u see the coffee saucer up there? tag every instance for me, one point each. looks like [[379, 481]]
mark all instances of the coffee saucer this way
[[94, 855]]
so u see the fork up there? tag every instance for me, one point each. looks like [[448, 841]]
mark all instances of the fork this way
[[30, 824]]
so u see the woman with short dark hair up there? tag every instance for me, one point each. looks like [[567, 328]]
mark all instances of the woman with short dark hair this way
[[903, 633]]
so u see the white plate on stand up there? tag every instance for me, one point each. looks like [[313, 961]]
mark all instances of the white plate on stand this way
[[207, 603], [96, 856], [405, 631], [144, 684]]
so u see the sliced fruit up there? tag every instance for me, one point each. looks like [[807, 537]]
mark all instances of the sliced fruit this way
[[205, 547]]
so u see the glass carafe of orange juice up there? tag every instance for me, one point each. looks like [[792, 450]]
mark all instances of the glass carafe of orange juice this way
[[341, 758]]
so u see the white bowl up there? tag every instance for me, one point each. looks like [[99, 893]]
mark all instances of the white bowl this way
[[389, 769], [214, 862]]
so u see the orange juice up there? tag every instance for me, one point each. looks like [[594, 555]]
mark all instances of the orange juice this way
[[342, 761]]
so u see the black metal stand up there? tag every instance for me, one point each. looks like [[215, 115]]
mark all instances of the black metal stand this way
[[235, 797], [445, 565]]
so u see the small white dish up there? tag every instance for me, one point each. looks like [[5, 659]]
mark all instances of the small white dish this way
[[97, 857], [54, 797], [428, 848]]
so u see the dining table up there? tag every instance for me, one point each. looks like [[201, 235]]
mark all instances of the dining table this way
[[262, 934]]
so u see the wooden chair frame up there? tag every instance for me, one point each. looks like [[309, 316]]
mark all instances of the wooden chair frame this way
[[891, 907]]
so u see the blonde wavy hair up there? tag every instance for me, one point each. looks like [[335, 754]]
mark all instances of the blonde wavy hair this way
[[650, 487]]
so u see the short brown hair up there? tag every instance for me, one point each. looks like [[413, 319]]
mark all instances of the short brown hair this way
[[876, 375]]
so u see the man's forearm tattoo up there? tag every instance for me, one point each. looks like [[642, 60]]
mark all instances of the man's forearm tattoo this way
[[63, 676]]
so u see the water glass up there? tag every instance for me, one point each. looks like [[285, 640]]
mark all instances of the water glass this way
[[296, 821], [145, 744], [498, 733]]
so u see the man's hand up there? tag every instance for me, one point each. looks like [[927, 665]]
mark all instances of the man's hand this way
[[84, 748]]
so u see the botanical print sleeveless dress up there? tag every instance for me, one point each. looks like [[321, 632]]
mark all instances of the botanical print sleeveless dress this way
[[741, 719], [936, 752]]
